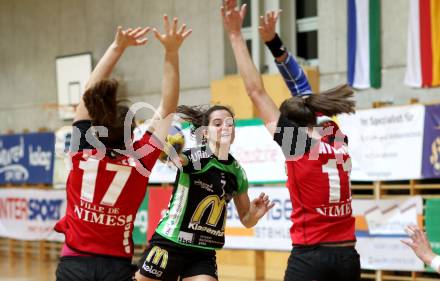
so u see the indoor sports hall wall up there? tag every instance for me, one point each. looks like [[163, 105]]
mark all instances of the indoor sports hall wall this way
[[35, 32]]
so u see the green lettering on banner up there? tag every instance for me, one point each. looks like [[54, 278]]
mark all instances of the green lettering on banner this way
[[432, 209], [141, 223]]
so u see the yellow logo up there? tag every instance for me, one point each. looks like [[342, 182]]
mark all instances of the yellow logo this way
[[157, 254], [215, 204], [435, 148]]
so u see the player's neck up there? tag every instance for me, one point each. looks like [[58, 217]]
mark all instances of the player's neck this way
[[220, 151]]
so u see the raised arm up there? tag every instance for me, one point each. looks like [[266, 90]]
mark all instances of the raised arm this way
[[422, 248], [233, 20], [171, 41], [123, 39], [292, 73]]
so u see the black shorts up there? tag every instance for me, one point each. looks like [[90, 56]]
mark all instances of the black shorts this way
[[320, 263], [94, 268], [168, 262]]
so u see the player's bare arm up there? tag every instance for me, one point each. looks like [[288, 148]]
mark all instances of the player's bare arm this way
[[123, 39]]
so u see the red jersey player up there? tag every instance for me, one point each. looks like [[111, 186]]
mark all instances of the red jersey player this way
[[317, 159], [109, 175]]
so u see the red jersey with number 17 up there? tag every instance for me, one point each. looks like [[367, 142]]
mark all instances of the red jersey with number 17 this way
[[103, 197], [318, 173]]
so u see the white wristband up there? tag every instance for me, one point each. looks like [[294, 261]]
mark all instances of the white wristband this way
[[435, 264]]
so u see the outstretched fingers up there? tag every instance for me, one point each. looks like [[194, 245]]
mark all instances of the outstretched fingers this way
[[173, 35], [230, 4], [186, 34], [270, 206], [243, 11], [157, 34], [174, 26], [133, 32], [166, 23], [181, 30], [141, 41], [127, 31], [142, 32]]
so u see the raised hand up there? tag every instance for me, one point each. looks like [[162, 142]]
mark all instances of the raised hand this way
[[260, 206], [172, 38], [131, 37], [419, 243], [268, 24], [233, 16]]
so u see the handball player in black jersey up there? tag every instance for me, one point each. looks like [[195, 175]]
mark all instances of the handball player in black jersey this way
[[186, 238]]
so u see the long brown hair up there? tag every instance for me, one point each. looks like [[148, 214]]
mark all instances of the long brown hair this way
[[199, 116], [105, 110], [303, 111]]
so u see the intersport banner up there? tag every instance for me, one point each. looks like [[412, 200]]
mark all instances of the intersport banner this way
[[30, 214], [386, 143]]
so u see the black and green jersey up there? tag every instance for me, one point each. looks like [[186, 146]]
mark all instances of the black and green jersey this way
[[197, 212]]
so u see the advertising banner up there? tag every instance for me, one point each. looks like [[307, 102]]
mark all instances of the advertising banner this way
[[380, 228], [257, 153], [30, 214], [272, 231], [27, 158], [431, 143], [386, 143]]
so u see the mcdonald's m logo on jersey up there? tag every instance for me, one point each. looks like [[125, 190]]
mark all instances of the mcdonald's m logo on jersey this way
[[214, 204], [157, 254]]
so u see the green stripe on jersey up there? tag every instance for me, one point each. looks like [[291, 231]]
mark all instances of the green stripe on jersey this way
[[170, 226]]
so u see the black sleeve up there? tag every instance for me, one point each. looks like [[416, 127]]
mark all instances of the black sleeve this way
[[188, 168], [293, 140], [80, 127]]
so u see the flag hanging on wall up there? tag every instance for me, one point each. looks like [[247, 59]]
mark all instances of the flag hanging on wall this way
[[364, 44], [423, 53]]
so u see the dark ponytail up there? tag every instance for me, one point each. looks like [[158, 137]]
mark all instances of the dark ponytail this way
[[332, 102], [199, 115], [303, 111], [193, 114]]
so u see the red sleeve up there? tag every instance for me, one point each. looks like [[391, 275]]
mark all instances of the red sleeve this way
[[151, 147]]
